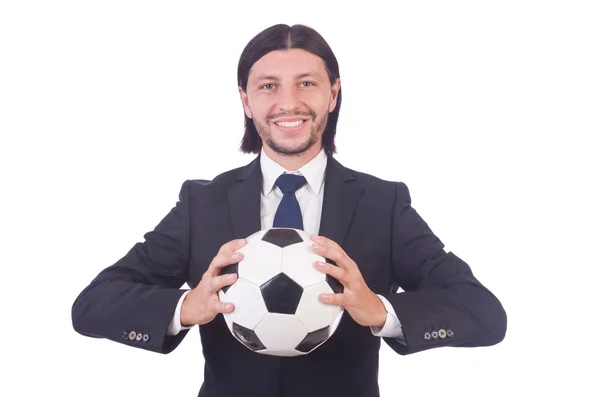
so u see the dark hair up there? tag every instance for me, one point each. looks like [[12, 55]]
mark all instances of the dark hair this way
[[283, 37]]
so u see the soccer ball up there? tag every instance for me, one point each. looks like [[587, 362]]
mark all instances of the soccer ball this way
[[277, 309]]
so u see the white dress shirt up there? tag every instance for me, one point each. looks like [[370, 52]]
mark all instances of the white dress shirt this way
[[310, 198]]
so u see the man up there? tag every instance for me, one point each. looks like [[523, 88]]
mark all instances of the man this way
[[290, 89]]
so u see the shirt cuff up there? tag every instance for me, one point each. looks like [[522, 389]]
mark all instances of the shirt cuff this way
[[392, 327], [175, 325]]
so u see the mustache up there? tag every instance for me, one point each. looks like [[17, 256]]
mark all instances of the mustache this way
[[309, 113]]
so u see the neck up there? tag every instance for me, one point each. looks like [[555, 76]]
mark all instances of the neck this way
[[292, 162]]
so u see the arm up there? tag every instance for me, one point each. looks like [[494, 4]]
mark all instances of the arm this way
[[442, 304], [140, 292]]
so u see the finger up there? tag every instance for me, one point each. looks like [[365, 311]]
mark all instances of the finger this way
[[334, 271], [223, 256], [216, 283], [222, 260], [332, 299], [223, 307], [337, 255], [232, 245], [331, 250]]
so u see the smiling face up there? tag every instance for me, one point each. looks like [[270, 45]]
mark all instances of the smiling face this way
[[289, 97]]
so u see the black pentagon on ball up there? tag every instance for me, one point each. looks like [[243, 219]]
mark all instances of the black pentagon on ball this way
[[282, 237], [230, 269], [247, 337], [281, 294], [335, 285], [313, 339]]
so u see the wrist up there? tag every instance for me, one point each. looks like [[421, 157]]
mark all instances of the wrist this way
[[183, 315], [380, 314]]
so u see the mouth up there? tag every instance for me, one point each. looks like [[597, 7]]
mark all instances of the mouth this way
[[290, 125]]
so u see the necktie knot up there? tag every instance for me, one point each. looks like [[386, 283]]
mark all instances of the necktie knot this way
[[289, 183]]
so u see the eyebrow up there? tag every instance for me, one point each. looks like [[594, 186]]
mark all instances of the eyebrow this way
[[296, 77]]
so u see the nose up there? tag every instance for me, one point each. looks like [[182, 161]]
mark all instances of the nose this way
[[288, 99]]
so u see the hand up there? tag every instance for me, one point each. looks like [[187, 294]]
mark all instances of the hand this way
[[202, 304], [362, 304]]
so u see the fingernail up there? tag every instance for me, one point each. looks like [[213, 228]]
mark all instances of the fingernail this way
[[317, 247], [320, 264], [324, 297], [228, 306], [230, 277], [235, 255], [241, 242]]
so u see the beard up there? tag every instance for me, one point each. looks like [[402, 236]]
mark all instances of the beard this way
[[316, 131]]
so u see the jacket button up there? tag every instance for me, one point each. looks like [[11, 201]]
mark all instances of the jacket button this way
[[125, 335], [434, 334], [427, 336], [442, 333], [138, 337], [132, 335], [145, 337], [450, 333]]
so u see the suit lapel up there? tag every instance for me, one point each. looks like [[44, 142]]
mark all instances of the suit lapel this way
[[244, 200], [339, 201]]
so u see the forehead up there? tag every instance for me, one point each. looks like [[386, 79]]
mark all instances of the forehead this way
[[285, 63]]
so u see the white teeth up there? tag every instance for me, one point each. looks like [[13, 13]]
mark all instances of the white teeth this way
[[290, 124]]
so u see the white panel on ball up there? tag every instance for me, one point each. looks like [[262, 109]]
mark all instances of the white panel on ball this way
[[250, 307], [261, 262], [270, 328], [282, 353], [299, 263], [313, 313]]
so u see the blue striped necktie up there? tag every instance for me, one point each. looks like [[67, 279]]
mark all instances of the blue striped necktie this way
[[288, 213]]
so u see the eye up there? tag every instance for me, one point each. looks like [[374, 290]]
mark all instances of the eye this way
[[268, 86], [307, 84]]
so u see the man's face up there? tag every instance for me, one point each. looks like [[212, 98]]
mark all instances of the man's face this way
[[289, 98]]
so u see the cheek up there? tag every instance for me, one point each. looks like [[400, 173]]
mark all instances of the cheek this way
[[318, 102], [259, 110]]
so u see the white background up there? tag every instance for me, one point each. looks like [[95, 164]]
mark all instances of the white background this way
[[488, 111]]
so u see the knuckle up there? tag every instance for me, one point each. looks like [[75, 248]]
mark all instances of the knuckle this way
[[232, 245], [206, 279], [227, 247], [211, 283], [218, 259], [223, 259], [222, 281]]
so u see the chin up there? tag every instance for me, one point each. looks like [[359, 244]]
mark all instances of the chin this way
[[287, 147]]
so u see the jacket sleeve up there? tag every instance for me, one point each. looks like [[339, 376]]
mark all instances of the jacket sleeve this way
[[441, 302], [133, 301]]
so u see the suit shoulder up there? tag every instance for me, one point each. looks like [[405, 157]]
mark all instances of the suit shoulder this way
[[219, 183], [370, 180], [395, 188]]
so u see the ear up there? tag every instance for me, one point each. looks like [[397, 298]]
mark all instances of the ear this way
[[335, 89], [245, 103]]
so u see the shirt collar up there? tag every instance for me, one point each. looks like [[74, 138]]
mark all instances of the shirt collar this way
[[313, 171]]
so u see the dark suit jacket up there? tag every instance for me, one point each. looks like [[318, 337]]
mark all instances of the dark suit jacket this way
[[133, 301]]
